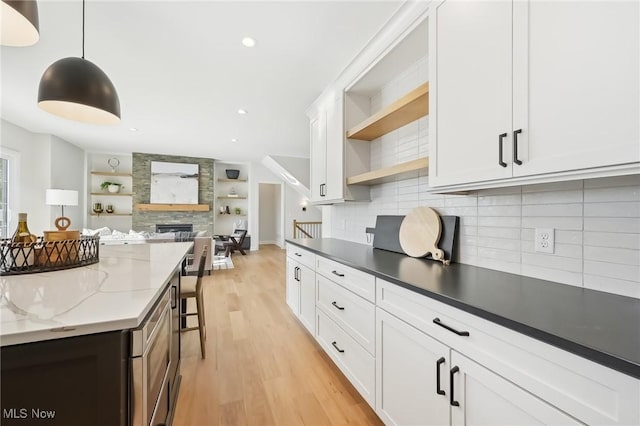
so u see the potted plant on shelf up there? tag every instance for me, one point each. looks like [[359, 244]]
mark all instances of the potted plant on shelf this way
[[111, 186]]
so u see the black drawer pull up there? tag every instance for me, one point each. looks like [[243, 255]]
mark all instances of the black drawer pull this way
[[452, 400], [337, 348], [334, 303], [500, 139], [437, 321], [515, 147], [298, 254], [438, 364], [337, 273]]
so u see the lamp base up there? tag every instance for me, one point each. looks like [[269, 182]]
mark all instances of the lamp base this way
[[62, 223]]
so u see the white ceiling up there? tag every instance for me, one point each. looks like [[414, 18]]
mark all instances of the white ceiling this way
[[182, 73]]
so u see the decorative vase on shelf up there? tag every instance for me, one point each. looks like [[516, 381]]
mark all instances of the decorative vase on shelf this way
[[232, 173], [113, 188], [109, 208], [226, 210], [238, 211], [97, 208]]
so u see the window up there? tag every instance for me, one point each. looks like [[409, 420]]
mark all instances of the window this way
[[4, 198]]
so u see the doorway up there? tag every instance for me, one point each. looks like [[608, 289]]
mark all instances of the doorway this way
[[270, 213]]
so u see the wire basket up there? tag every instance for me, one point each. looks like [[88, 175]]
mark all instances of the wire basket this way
[[45, 256]]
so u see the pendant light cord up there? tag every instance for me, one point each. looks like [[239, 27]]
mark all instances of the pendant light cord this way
[[82, 29]]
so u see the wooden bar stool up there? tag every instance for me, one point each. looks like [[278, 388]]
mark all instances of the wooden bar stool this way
[[191, 286]]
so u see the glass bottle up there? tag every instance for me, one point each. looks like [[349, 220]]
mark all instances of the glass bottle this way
[[22, 234]]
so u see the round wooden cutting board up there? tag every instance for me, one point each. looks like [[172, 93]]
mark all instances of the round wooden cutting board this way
[[420, 232]]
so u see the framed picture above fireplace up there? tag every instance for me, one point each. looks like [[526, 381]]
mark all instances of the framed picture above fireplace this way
[[174, 183]]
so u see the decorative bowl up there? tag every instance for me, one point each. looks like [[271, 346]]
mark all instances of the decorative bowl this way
[[232, 173]]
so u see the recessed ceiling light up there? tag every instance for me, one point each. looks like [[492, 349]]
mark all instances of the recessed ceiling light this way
[[133, 129], [242, 111], [234, 140], [248, 42]]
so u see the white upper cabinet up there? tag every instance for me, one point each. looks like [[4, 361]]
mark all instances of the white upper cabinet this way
[[471, 106], [532, 91]]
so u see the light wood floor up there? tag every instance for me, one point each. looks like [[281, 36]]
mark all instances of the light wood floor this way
[[262, 366]]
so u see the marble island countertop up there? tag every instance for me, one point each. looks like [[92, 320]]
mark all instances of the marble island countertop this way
[[114, 294]]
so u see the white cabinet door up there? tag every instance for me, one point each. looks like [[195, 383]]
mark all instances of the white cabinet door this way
[[408, 364], [471, 91], [318, 155], [307, 315], [576, 89], [485, 398], [293, 286], [334, 189]]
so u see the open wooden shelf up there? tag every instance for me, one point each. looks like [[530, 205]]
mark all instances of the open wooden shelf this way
[[111, 174], [111, 214], [173, 207], [408, 108], [388, 174], [231, 180], [225, 197], [114, 194]]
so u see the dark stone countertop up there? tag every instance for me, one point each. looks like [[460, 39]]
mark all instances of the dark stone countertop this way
[[602, 327]]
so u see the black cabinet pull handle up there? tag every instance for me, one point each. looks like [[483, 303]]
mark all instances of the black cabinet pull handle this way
[[174, 296], [515, 147], [452, 400], [322, 189], [439, 362], [500, 140], [337, 348], [295, 274], [298, 254], [334, 303], [337, 273], [437, 321]]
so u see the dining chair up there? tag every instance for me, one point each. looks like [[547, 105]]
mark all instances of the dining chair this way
[[200, 244], [191, 287]]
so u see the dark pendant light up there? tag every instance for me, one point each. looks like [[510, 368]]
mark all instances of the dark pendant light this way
[[19, 23], [77, 89]]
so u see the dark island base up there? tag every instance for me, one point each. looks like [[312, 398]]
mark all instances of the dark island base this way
[[74, 381]]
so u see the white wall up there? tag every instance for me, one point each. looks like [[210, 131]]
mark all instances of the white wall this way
[[67, 172], [597, 221], [34, 174], [294, 202], [269, 220]]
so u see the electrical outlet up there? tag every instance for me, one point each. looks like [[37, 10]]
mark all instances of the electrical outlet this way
[[545, 240]]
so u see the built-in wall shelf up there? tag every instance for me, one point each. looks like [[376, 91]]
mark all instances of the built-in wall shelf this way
[[173, 207], [231, 180], [110, 214], [408, 108], [113, 194], [389, 174], [226, 197], [111, 174]]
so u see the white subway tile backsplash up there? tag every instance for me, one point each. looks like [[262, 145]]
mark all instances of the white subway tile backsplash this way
[[612, 239], [612, 255], [610, 209], [612, 270], [612, 224], [554, 210], [612, 285], [596, 221]]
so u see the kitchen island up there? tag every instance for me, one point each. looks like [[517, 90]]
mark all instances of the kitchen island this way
[[66, 335]]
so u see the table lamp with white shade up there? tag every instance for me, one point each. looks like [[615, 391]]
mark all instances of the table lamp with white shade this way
[[62, 197]]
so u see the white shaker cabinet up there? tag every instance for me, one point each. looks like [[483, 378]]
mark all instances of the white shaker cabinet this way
[[481, 397], [412, 381], [527, 90], [301, 287], [327, 151]]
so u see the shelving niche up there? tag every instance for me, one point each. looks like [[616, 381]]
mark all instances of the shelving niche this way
[[98, 172], [223, 222], [370, 114]]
